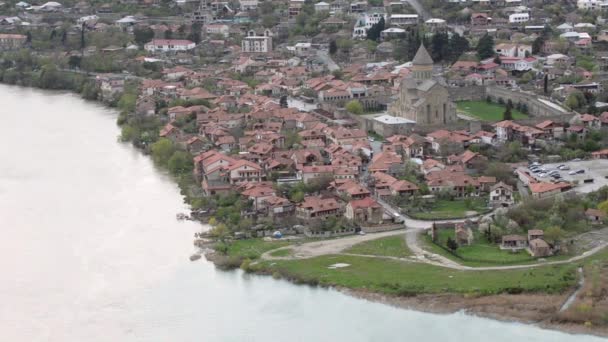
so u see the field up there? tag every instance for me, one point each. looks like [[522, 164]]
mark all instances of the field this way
[[393, 246], [444, 209], [253, 248], [409, 278], [486, 111]]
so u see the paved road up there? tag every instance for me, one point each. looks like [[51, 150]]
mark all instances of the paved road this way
[[420, 9]]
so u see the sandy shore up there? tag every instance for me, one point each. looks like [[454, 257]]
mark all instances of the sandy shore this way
[[537, 309]]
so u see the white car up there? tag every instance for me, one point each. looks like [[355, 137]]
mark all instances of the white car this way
[[571, 173], [542, 175], [564, 167]]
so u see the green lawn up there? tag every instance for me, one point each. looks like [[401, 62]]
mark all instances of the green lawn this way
[[408, 278], [393, 246], [253, 248], [282, 252], [444, 209], [486, 111], [481, 252]]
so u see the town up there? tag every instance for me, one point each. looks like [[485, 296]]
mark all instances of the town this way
[[477, 127]]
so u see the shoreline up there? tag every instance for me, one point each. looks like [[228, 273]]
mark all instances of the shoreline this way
[[537, 309]]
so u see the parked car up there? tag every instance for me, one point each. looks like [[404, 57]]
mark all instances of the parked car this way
[[580, 171], [542, 175], [572, 173], [535, 164], [563, 167], [576, 159]]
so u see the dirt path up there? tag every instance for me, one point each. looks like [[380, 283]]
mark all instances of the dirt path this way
[[412, 239], [332, 246]]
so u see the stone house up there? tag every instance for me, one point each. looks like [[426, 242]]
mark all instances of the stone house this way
[[364, 211], [514, 242], [501, 195], [316, 207], [595, 216], [539, 248]]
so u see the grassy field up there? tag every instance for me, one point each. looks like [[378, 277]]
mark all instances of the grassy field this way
[[282, 252], [409, 278], [482, 253], [393, 246], [253, 248], [486, 111], [444, 209]]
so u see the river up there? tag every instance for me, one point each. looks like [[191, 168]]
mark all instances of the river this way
[[91, 251]]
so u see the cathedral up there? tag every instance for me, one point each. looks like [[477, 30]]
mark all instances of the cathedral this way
[[421, 98]]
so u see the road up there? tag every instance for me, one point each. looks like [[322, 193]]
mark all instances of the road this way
[[324, 56], [420, 9]]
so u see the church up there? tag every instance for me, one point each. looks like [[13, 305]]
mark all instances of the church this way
[[421, 98]]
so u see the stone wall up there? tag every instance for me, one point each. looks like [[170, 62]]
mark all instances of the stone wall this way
[[535, 107], [468, 93], [480, 93]]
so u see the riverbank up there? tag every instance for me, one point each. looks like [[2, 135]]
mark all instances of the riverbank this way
[[529, 295]]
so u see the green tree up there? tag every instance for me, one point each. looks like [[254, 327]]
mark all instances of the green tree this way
[[440, 46], [143, 35], [485, 47], [554, 234], [456, 47], [127, 102], [283, 101], [333, 47], [538, 44], [162, 151], [451, 244], [180, 163], [373, 33], [603, 206], [355, 107], [507, 115]]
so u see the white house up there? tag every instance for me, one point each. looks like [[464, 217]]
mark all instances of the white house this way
[[254, 43], [519, 18], [167, 45], [513, 50], [219, 29], [322, 7], [365, 22], [247, 5], [404, 19], [592, 4]]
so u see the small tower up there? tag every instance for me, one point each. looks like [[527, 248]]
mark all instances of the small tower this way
[[422, 65]]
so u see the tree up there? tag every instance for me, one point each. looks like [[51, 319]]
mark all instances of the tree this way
[[456, 46], [507, 115], [333, 47], [82, 41], [143, 35], [28, 36], [168, 34], [162, 150], [451, 244], [373, 33], [440, 46], [283, 101], [603, 206], [354, 107], [485, 47], [64, 37], [554, 234], [537, 45], [180, 163], [546, 84]]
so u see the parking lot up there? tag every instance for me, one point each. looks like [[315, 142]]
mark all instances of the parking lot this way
[[594, 177]]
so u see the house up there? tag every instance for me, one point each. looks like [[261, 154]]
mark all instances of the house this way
[[551, 129], [517, 18], [364, 211], [258, 193], [322, 7], [278, 206], [501, 195], [539, 248], [601, 154], [316, 207], [535, 234], [310, 173], [587, 120], [169, 45], [546, 189], [11, 41], [353, 190], [514, 242], [195, 145], [463, 235], [595, 216], [468, 159], [254, 43]]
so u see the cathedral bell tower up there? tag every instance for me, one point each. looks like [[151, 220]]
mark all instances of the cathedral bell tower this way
[[422, 65]]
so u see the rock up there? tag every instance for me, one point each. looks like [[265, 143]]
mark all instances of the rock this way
[[194, 257]]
